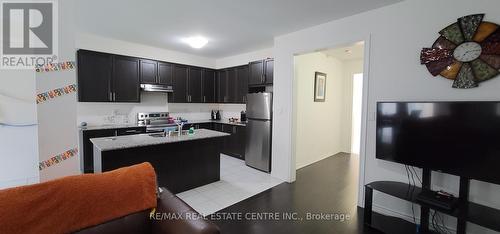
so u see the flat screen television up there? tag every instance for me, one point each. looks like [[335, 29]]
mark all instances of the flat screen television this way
[[459, 138]]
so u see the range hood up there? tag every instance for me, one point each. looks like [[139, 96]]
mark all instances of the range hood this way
[[157, 88]]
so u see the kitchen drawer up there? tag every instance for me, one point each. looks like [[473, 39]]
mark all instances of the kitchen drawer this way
[[130, 131]]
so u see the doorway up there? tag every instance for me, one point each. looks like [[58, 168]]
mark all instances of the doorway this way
[[330, 127]]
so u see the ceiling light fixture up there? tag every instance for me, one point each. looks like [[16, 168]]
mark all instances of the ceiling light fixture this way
[[196, 42]]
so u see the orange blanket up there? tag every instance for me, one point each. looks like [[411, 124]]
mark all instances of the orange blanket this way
[[76, 202]]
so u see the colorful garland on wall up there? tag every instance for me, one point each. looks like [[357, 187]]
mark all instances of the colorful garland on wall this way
[[43, 97], [58, 158], [56, 67]]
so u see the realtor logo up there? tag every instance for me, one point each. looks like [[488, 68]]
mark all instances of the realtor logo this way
[[29, 34]]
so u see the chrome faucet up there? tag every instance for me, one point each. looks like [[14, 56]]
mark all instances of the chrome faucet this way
[[180, 124]]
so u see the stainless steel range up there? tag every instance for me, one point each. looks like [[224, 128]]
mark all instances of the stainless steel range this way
[[154, 121]]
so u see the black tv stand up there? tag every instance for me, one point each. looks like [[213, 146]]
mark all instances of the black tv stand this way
[[465, 211], [433, 198]]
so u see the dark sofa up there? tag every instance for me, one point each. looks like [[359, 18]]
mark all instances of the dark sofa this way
[[142, 222]]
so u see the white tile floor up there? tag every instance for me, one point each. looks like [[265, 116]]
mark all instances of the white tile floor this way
[[237, 182]]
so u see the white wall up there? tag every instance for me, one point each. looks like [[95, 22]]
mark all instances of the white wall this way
[[350, 67], [319, 124], [242, 59], [398, 33], [57, 131]]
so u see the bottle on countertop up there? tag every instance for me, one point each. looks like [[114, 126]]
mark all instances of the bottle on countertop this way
[[212, 115], [217, 115], [243, 116]]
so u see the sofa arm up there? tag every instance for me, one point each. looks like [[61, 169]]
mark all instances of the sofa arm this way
[[174, 216]]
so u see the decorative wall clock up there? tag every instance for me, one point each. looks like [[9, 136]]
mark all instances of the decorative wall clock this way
[[467, 52]]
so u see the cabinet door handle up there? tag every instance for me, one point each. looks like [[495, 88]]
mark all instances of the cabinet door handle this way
[[204, 99], [262, 79], [110, 96]]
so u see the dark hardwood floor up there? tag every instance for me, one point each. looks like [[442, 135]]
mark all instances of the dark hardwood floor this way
[[328, 186]]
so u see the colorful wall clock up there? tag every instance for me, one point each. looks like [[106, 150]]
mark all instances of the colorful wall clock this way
[[467, 52]]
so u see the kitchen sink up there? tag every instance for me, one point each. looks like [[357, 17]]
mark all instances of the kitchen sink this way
[[162, 134]]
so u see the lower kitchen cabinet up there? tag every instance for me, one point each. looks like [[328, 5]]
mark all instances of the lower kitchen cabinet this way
[[198, 126], [87, 148], [234, 145]]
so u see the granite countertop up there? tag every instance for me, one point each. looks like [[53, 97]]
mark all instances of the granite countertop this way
[[222, 121], [116, 126], [108, 126], [132, 141]]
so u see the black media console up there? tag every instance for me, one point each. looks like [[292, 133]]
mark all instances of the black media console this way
[[465, 211]]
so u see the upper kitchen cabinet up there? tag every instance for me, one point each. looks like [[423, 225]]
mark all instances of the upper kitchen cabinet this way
[[242, 74], [126, 79], [208, 83], [165, 73], [149, 71], [107, 78], [269, 71], [94, 76], [256, 73], [154, 72], [222, 94], [180, 83], [194, 85], [261, 72], [232, 85]]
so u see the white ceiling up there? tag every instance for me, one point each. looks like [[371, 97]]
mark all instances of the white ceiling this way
[[346, 53], [232, 26]]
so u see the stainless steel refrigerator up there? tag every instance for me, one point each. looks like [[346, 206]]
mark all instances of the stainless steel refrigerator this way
[[259, 125]]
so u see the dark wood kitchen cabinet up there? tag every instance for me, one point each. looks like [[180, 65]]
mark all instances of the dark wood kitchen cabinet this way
[[269, 71], [126, 81], [165, 73], [107, 78], [104, 77], [154, 72], [232, 85], [208, 83], [87, 148], [194, 93], [222, 95], [149, 71], [256, 73], [94, 76], [261, 72], [234, 145], [180, 83], [217, 127], [242, 74]]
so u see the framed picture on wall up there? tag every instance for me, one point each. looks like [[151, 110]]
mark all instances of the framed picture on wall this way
[[319, 86]]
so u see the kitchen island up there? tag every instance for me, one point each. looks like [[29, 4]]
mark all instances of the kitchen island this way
[[181, 162]]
